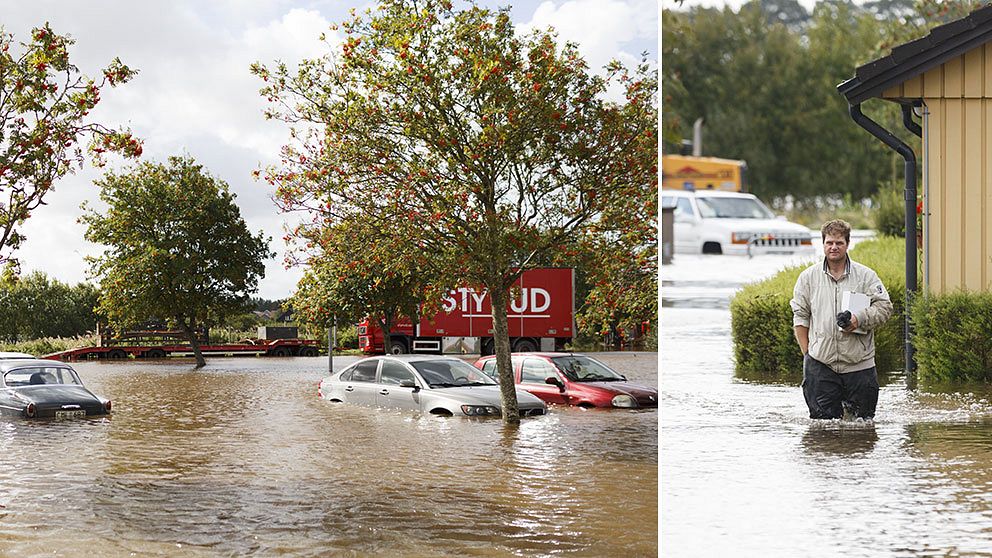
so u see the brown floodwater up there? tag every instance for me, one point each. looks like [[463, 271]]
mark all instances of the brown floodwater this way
[[241, 458], [747, 473]]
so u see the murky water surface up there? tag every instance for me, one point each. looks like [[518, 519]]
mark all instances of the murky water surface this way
[[745, 472], [241, 458]]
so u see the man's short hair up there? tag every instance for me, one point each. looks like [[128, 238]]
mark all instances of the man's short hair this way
[[836, 227]]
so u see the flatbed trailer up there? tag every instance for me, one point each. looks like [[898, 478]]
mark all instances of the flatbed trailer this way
[[260, 347]]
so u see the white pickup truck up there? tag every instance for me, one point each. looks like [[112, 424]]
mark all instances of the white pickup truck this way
[[716, 222]]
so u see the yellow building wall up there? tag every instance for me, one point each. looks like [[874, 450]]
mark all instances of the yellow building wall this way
[[958, 168]]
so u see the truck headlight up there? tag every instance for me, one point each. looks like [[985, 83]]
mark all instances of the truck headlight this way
[[740, 237], [480, 410], [625, 401]]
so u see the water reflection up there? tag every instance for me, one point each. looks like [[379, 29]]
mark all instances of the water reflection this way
[[837, 437]]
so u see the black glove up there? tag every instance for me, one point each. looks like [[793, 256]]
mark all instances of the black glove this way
[[844, 319]]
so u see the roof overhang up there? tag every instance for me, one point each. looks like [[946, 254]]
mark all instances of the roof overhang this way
[[911, 59]]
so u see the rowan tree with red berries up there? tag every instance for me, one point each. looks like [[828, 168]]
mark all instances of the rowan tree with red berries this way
[[44, 105], [493, 150], [346, 281]]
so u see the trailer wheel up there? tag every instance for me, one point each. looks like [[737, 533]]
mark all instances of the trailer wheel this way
[[308, 352], [116, 354], [488, 347], [397, 347], [280, 352], [524, 345], [155, 353]]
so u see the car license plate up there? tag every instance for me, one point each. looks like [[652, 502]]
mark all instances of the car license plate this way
[[70, 414]]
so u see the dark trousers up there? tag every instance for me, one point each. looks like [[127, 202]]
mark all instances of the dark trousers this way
[[827, 392]]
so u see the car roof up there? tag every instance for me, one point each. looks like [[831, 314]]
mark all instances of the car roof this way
[[708, 193], [537, 354], [32, 362], [10, 355], [415, 358]]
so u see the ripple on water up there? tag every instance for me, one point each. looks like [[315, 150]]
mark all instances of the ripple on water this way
[[242, 458]]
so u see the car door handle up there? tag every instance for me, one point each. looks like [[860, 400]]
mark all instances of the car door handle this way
[[349, 388], [384, 392]]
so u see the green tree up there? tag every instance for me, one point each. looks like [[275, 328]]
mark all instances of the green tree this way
[[35, 306], [768, 95], [51, 308], [500, 150], [349, 275], [44, 105], [177, 248]]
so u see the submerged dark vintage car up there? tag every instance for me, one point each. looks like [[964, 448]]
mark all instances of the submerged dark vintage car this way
[[35, 388]]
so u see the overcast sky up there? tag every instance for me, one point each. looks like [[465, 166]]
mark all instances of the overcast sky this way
[[194, 94]]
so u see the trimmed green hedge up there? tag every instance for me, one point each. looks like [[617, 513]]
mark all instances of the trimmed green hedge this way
[[761, 319], [953, 337]]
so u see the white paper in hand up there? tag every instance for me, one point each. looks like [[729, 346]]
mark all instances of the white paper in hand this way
[[855, 302]]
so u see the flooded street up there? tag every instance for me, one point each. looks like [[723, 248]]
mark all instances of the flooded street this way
[[241, 458], [745, 472]]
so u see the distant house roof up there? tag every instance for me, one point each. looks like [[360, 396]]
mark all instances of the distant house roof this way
[[911, 59], [275, 315]]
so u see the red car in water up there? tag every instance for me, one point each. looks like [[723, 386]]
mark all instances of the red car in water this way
[[573, 379]]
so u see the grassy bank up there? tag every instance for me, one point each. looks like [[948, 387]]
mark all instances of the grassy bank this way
[[761, 318], [48, 345]]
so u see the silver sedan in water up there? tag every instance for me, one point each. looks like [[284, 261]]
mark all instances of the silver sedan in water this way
[[431, 384]]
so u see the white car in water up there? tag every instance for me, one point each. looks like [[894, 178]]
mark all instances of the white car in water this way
[[438, 385], [716, 222]]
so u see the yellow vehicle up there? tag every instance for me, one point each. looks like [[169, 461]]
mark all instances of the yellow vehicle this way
[[685, 172]]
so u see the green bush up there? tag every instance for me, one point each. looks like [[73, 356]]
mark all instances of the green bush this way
[[347, 337], [951, 336], [890, 217], [761, 318]]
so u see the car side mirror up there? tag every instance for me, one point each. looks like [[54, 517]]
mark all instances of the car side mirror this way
[[551, 380], [410, 384]]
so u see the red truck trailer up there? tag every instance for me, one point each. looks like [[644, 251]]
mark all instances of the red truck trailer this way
[[254, 347], [541, 318]]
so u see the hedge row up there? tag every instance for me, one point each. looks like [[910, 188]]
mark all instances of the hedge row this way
[[761, 318], [953, 337]]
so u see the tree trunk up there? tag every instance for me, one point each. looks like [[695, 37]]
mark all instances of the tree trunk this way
[[501, 339], [195, 343]]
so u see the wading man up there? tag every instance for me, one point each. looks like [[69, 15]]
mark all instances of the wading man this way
[[838, 343]]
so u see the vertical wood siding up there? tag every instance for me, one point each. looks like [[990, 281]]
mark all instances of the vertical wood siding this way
[[958, 95]]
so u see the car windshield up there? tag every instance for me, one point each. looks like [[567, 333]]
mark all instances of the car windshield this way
[[40, 375], [451, 373], [584, 369], [732, 208]]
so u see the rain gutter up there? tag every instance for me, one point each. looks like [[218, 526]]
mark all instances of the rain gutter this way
[[909, 195]]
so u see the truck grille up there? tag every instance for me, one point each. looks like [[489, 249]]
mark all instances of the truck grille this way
[[778, 240]]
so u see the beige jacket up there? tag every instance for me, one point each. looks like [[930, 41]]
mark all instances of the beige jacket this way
[[816, 301]]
